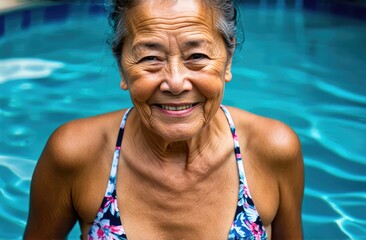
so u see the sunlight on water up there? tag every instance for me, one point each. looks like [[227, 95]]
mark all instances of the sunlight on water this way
[[18, 69], [14, 192]]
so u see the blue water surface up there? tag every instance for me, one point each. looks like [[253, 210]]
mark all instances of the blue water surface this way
[[305, 69]]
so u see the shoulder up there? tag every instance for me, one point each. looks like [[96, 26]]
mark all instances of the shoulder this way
[[269, 139], [274, 151], [78, 141]]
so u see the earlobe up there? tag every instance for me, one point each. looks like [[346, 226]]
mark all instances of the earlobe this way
[[228, 74], [123, 84]]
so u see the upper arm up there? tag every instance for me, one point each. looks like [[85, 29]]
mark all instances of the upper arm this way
[[289, 168], [279, 149], [51, 213]]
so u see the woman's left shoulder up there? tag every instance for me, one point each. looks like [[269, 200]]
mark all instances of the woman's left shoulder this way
[[271, 139], [272, 154]]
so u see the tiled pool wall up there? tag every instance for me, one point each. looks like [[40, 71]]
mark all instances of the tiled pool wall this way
[[346, 8], [51, 11], [24, 18]]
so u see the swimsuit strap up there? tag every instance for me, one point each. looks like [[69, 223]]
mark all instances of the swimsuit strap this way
[[247, 223], [238, 156], [233, 132], [107, 224], [122, 128], [112, 176]]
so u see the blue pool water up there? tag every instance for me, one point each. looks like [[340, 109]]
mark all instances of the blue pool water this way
[[305, 69]]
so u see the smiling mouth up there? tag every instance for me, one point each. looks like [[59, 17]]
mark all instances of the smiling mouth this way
[[176, 108]]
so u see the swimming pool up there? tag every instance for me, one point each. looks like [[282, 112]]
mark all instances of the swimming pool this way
[[303, 68]]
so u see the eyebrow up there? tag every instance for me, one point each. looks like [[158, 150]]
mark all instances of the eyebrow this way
[[195, 43], [147, 45], [158, 46]]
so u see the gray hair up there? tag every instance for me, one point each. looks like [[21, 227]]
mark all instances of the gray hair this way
[[118, 10]]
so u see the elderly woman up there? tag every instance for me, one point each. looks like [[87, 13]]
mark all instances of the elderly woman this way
[[184, 166]]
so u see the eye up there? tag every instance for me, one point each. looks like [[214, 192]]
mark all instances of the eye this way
[[197, 56], [149, 59]]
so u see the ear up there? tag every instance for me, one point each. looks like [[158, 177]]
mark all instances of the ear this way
[[228, 75], [123, 84]]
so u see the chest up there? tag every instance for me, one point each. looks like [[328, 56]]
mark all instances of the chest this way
[[178, 205]]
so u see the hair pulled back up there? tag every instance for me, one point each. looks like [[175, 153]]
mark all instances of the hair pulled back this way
[[118, 10]]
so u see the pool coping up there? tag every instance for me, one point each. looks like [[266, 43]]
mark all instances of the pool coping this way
[[15, 5], [25, 16], [22, 14]]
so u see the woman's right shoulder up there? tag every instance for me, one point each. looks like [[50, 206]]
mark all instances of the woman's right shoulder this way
[[79, 141]]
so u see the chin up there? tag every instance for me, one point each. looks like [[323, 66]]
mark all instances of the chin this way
[[178, 132]]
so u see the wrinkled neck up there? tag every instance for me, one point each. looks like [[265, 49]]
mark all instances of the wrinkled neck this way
[[182, 152]]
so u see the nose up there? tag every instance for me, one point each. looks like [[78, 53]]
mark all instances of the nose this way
[[175, 80]]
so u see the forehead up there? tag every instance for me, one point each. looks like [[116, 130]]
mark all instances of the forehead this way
[[157, 15], [170, 6]]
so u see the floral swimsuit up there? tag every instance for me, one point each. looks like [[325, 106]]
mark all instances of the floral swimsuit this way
[[247, 224]]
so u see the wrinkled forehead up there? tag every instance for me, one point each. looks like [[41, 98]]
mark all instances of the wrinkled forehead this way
[[169, 13]]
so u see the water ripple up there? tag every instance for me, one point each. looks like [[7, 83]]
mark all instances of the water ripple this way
[[348, 210], [354, 230], [26, 68], [335, 171], [19, 166], [15, 176], [341, 93], [343, 137]]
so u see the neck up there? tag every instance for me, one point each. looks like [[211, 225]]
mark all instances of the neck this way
[[181, 152], [176, 166]]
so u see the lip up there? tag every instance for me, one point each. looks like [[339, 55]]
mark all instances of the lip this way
[[179, 107], [176, 109]]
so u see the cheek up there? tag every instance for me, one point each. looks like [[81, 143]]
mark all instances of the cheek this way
[[210, 82], [212, 88], [142, 85]]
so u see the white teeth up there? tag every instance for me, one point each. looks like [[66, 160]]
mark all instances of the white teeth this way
[[176, 108]]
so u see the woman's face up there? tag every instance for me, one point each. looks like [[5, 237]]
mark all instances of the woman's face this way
[[175, 65]]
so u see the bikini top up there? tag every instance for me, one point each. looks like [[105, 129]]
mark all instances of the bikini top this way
[[247, 224]]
